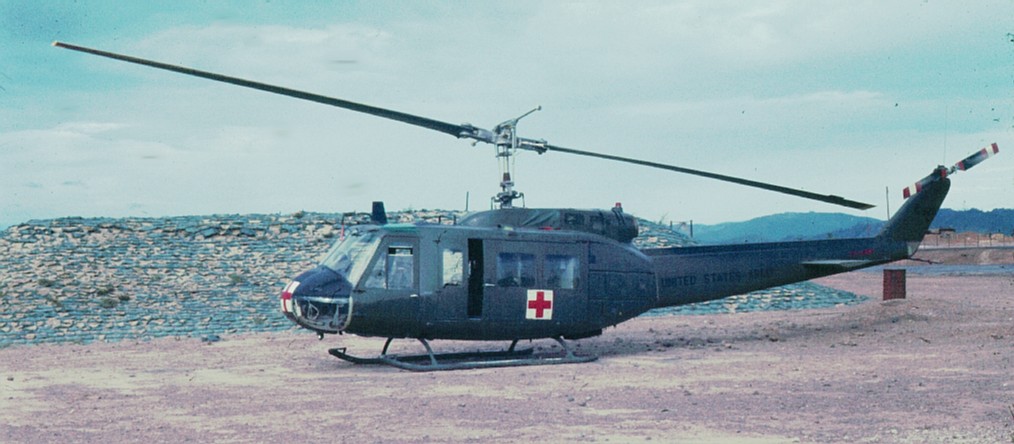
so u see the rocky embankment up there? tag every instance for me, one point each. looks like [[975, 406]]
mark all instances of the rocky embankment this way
[[105, 279], [100, 279]]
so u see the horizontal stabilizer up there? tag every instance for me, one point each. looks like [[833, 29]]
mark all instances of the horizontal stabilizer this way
[[835, 265]]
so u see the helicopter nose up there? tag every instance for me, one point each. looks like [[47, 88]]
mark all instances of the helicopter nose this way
[[287, 306], [318, 300]]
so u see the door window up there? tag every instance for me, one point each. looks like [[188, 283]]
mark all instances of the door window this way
[[561, 271], [453, 267], [394, 270], [515, 270]]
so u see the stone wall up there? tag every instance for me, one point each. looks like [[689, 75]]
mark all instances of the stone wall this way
[[83, 280]]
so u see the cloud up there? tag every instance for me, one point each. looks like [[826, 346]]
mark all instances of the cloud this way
[[789, 92], [273, 53], [88, 127], [74, 183]]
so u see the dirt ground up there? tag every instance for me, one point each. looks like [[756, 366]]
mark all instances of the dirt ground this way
[[936, 367]]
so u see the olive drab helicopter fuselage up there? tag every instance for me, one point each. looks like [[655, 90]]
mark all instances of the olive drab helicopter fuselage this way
[[551, 274], [518, 273]]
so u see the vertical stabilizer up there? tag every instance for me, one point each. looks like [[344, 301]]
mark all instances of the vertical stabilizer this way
[[912, 220]]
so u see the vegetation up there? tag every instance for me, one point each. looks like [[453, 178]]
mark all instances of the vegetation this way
[[54, 301], [999, 220], [237, 279]]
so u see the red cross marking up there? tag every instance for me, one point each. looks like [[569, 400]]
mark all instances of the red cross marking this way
[[540, 304]]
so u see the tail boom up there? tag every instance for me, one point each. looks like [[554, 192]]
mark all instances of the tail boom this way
[[695, 274]]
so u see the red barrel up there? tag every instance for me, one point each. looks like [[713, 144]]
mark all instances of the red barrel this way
[[894, 284]]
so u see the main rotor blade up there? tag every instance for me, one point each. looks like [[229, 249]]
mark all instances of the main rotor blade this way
[[459, 131], [837, 200], [449, 128]]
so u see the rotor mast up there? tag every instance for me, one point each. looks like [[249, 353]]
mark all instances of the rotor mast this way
[[507, 144]]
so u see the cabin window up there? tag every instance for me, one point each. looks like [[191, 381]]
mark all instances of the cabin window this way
[[515, 270], [561, 271], [453, 267], [394, 270]]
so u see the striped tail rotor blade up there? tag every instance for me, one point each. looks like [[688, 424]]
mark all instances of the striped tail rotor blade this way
[[910, 191], [942, 172], [978, 157]]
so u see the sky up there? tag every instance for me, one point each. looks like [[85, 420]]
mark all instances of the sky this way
[[852, 98]]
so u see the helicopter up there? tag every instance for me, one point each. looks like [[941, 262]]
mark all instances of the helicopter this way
[[516, 273]]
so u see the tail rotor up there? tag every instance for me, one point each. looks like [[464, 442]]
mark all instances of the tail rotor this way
[[942, 172]]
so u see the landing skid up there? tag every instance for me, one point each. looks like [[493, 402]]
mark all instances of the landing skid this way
[[466, 360]]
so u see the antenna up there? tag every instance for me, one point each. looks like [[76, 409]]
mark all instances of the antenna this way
[[887, 201], [946, 129]]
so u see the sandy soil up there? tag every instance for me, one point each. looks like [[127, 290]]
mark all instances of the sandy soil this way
[[936, 367]]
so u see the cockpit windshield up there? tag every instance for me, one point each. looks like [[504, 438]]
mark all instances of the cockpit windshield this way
[[350, 256]]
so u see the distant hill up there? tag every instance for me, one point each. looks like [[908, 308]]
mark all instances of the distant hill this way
[[1000, 220], [773, 228], [806, 226], [781, 227]]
